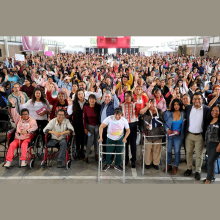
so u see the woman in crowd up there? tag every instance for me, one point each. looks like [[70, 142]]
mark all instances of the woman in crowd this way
[[153, 126], [38, 108], [76, 111], [91, 112], [130, 113], [212, 140], [58, 103], [160, 101], [174, 121]]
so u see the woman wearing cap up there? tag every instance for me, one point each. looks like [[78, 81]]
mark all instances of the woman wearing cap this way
[[126, 80], [115, 136], [65, 83], [91, 113]]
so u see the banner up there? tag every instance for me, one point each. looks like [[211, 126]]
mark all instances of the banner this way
[[33, 43], [49, 53], [113, 42], [206, 41], [19, 57]]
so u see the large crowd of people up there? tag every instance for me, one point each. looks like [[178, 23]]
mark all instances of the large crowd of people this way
[[105, 97]]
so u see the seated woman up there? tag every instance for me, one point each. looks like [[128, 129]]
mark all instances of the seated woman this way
[[115, 135], [174, 121], [25, 126], [153, 118]]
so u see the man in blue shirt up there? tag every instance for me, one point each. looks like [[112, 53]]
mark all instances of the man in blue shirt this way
[[11, 77], [107, 109], [201, 69]]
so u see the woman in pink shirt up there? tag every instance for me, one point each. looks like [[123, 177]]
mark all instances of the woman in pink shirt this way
[[25, 126], [160, 101]]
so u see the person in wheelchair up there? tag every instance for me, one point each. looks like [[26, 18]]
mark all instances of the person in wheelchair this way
[[59, 128], [25, 126]]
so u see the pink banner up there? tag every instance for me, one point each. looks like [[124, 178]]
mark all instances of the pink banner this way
[[33, 43], [49, 53]]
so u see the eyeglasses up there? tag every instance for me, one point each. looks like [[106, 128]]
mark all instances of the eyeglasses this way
[[61, 115], [25, 114], [127, 96]]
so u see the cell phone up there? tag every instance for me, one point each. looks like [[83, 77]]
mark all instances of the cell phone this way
[[89, 134]]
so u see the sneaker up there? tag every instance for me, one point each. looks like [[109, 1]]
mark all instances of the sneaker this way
[[106, 167], [60, 164], [119, 168], [8, 164]]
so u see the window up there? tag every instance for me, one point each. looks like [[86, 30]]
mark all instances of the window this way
[[13, 38]]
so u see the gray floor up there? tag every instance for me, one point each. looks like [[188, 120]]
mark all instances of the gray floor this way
[[81, 172]]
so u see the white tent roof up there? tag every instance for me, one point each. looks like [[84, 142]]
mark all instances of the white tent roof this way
[[67, 49], [165, 49], [152, 49]]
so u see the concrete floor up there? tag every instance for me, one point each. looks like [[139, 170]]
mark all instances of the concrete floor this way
[[80, 172]]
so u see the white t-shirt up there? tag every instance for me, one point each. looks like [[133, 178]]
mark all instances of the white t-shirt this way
[[115, 127]]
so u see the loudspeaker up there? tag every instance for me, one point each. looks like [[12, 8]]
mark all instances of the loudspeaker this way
[[201, 53], [0, 52]]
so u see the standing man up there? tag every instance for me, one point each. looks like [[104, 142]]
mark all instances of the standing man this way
[[107, 109], [197, 117]]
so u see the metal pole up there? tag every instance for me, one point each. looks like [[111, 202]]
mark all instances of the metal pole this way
[[99, 165], [166, 151], [143, 150], [124, 164]]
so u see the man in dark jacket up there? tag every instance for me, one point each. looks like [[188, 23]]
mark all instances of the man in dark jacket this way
[[107, 109], [197, 116]]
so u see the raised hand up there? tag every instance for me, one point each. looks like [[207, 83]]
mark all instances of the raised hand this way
[[22, 95], [12, 101], [113, 90]]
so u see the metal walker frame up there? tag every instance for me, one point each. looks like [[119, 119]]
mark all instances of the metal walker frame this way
[[143, 148], [100, 158]]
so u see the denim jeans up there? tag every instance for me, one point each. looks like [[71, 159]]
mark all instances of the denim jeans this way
[[176, 141]]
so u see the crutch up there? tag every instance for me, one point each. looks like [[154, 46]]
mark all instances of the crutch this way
[[100, 161], [19, 148]]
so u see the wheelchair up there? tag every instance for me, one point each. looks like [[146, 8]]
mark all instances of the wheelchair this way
[[30, 155], [49, 155], [39, 144]]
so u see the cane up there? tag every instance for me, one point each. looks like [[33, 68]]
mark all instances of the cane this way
[[19, 149]]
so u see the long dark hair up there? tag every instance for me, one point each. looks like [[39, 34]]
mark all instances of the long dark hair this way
[[76, 106], [130, 94], [96, 107], [216, 105], [42, 97], [179, 103]]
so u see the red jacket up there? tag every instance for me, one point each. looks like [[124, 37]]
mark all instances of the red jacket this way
[[53, 102]]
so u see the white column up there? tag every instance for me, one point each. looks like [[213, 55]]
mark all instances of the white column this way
[[6, 46]]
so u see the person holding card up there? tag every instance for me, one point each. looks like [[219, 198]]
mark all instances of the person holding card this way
[[153, 126], [174, 125], [38, 108]]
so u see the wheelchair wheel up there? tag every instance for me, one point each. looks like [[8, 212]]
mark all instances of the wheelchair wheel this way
[[39, 146], [31, 164], [68, 164]]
